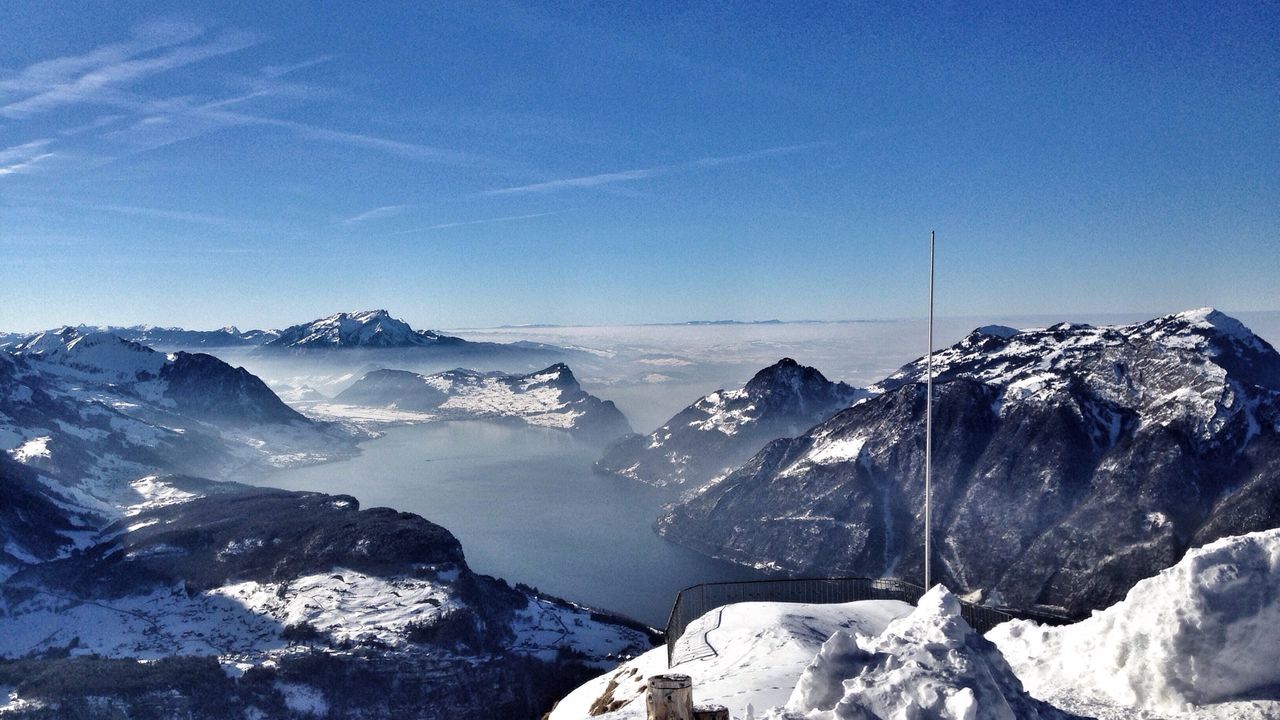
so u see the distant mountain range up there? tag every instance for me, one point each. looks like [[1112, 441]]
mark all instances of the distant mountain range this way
[[165, 338], [378, 330], [92, 408], [247, 601], [550, 398], [367, 329], [723, 429], [1070, 462]]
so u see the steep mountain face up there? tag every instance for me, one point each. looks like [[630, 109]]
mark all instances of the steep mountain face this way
[[92, 409], [1069, 463], [206, 388], [367, 329], [549, 398], [723, 429], [37, 522], [252, 602]]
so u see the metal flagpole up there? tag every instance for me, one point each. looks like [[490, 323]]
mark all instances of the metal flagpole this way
[[928, 431]]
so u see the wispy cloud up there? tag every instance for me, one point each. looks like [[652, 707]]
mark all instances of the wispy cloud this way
[[484, 221], [107, 76], [20, 157], [275, 71], [378, 212], [46, 74], [589, 181], [413, 151], [99, 83], [161, 213]]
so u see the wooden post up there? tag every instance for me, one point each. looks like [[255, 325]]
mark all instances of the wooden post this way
[[670, 697], [711, 712]]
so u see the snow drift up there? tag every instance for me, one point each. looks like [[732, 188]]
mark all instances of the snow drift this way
[[929, 664], [1203, 632]]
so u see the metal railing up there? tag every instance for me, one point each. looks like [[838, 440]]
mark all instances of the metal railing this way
[[698, 600]]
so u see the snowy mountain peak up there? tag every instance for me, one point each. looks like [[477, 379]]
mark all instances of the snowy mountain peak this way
[[1207, 321], [1073, 460], [1001, 331], [368, 328], [789, 377], [96, 353], [724, 428], [1198, 364]]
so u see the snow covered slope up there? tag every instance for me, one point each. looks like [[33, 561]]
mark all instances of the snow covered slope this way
[[761, 651], [721, 430], [1201, 638], [38, 522], [259, 581], [929, 664], [95, 411], [1070, 462], [879, 659], [367, 329], [549, 398]]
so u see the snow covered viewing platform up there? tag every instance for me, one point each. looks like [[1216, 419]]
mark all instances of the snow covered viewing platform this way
[[697, 601]]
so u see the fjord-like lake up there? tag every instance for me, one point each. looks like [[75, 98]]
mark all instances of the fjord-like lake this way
[[527, 508]]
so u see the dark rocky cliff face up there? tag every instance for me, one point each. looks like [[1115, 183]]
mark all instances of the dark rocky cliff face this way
[[37, 523], [725, 428], [204, 387], [1070, 462]]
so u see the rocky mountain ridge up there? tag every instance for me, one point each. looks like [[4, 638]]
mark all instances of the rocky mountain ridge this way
[[1070, 462], [723, 429]]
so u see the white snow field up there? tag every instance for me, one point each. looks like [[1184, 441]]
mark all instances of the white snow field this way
[[929, 664], [1201, 639], [868, 659], [762, 650]]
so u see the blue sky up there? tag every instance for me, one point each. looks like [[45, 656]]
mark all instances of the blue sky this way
[[482, 163]]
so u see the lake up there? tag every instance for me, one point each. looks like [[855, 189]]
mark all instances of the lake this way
[[527, 508]]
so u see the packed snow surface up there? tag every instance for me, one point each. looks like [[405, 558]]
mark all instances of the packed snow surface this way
[[929, 664], [745, 656], [1200, 638]]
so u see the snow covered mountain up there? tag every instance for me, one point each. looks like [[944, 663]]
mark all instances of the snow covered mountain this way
[[255, 602], [176, 337], [367, 329], [38, 521], [1070, 462], [725, 428], [164, 337], [92, 410], [128, 590], [549, 398]]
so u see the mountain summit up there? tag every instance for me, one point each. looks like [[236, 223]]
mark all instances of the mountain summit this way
[[366, 329], [1070, 462], [724, 428]]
